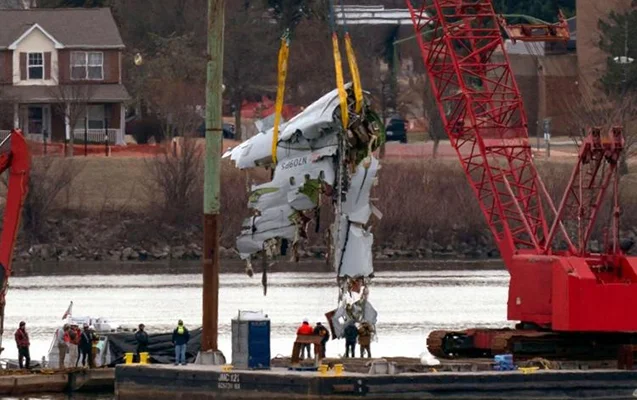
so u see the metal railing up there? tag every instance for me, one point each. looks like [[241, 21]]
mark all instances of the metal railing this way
[[95, 135]]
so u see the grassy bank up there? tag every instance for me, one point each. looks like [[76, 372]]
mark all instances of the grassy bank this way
[[115, 203]]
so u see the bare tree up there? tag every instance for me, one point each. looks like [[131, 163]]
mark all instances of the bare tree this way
[[250, 57], [416, 100], [176, 175], [180, 112], [605, 111], [72, 101], [49, 178], [174, 90], [175, 182]]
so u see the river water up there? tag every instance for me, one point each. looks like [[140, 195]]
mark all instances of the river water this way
[[409, 304]]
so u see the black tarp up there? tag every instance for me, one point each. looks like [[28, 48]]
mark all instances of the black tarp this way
[[160, 347]]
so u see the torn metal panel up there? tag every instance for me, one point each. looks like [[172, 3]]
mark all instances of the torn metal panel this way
[[357, 255], [357, 206], [316, 122], [352, 313], [351, 240], [339, 240], [291, 178], [275, 222], [266, 123]]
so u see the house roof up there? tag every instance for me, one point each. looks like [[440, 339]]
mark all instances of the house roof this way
[[372, 15], [52, 94], [72, 27]]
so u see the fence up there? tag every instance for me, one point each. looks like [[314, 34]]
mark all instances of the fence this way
[[95, 135]]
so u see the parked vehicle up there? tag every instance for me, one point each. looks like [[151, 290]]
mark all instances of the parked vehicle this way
[[228, 130], [396, 129]]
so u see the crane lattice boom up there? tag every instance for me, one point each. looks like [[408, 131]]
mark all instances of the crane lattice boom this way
[[559, 295], [484, 117]]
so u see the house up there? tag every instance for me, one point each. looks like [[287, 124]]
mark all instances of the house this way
[[60, 70]]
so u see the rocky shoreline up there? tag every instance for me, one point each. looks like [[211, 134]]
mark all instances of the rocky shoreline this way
[[193, 251], [141, 240]]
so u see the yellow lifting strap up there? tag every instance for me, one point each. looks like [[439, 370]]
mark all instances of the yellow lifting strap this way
[[284, 52], [353, 68], [340, 84], [338, 66]]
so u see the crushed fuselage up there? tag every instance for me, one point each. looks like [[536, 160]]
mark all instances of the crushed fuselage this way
[[318, 162]]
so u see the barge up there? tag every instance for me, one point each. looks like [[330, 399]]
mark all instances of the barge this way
[[158, 382]]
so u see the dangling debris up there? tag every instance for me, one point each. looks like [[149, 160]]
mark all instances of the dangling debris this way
[[317, 159]]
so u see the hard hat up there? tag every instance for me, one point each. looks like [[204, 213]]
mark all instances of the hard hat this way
[[306, 320]]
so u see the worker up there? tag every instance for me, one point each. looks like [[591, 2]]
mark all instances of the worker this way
[[95, 339], [351, 333], [74, 340], [365, 338], [305, 329], [85, 346], [321, 331], [22, 341], [63, 340], [142, 339], [75, 333], [180, 341]]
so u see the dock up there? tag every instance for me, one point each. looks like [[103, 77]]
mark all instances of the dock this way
[[158, 382], [16, 382]]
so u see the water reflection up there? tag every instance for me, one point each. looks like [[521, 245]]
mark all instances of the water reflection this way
[[410, 304]]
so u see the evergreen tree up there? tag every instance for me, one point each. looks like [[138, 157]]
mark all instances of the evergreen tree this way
[[619, 39]]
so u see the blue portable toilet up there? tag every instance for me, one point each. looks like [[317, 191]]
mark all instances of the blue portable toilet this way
[[251, 340]]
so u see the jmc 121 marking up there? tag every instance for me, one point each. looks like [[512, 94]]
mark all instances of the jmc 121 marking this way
[[229, 381]]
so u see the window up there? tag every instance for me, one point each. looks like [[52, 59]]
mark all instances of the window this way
[[96, 66], [95, 115], [36, 66], [87, 65], [36, 120]]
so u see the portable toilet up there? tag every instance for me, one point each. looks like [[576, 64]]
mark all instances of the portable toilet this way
[[251, 340]]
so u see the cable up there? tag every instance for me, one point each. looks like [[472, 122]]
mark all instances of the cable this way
[[284, 53], [353, 65], [338, 66]]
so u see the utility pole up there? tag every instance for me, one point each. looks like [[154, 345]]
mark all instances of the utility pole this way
[[214, 126]]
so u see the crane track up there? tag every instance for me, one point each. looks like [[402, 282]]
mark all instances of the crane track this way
[[526, 344]]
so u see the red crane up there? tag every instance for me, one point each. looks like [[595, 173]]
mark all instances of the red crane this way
[[567, 299], [18, 161]]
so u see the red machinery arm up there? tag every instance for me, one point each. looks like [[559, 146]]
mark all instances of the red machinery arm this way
[[537, 32], [18, 162], [556, 294], [482, 111]]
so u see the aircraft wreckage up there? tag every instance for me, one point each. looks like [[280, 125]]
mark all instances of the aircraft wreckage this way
[[318, 164]]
